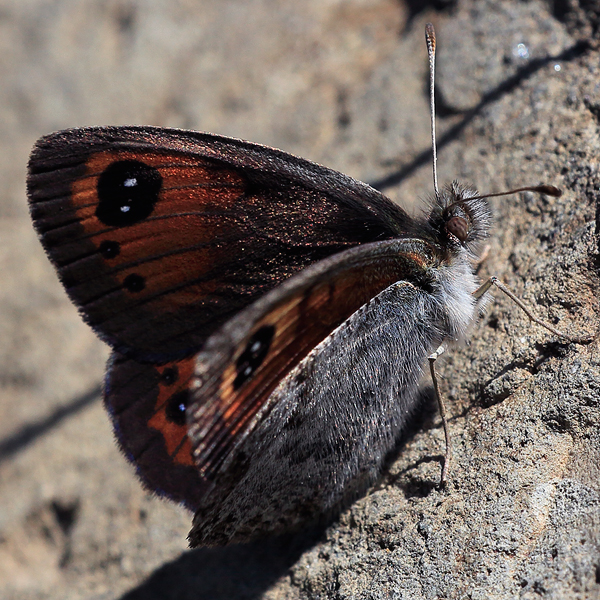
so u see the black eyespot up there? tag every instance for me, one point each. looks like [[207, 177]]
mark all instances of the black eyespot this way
[[176, 405], [170, 375], [109, 249], [134, 283], [254, 354], [128, 191]]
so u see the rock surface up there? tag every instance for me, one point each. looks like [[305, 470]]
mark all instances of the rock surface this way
[[343, 83]]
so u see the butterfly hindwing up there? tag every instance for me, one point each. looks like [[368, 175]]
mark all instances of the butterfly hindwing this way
[[242, 364], [147, 406], [298, 399]]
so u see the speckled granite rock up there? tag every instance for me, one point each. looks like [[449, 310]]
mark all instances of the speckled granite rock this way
[[343, 83]]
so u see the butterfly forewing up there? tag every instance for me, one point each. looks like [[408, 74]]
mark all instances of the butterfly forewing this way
[[160, 236]]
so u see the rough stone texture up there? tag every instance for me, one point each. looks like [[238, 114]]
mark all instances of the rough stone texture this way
[[343, 83]]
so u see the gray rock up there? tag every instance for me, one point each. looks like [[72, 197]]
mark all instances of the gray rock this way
[[343, 83]]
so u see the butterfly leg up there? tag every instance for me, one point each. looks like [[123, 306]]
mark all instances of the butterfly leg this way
[[479, 292], [448, 454]]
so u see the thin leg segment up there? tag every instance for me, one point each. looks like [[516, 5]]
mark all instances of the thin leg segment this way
[[479, 292], [448, 454]]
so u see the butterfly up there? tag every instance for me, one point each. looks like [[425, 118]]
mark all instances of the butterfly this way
[[269, 318]]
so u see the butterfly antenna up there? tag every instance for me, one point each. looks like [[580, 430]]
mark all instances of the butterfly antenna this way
[[430, 38], [547, 190]]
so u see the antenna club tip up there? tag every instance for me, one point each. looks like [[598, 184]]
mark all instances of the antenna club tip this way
[[430, 34], [550, 190]]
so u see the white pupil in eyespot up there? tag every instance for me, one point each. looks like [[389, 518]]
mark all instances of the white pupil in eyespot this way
[[248, 371], [130, 182], [125, 208], [182, 408], [255, 347]]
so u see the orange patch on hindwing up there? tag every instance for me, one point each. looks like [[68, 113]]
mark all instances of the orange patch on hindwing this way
[[169, 415]]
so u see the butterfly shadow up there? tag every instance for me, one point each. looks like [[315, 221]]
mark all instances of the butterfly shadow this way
[[240, 572]]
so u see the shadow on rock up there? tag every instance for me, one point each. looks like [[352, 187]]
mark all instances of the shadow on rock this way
[[239, 572]]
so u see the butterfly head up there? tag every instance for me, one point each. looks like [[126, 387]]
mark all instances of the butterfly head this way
[[460, 218]]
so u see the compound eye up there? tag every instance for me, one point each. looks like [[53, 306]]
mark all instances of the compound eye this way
[[458, 227]]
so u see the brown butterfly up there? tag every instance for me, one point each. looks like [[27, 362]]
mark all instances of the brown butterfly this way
[[269, 317]]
